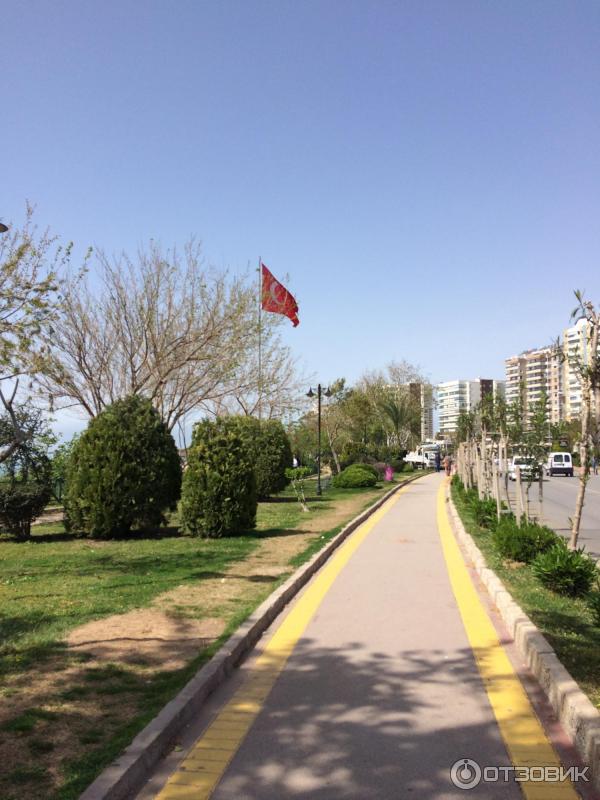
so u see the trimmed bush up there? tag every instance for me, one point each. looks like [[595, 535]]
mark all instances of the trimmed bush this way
[[372, 468], [354, 477], [124, 471], [218, 497], [564, 571], [524, 543], [270, 451]]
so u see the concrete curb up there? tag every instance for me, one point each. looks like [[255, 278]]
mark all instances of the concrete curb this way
[[573, 708], [127, 774]]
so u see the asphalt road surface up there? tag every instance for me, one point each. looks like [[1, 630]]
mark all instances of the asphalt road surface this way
[[560, 494]]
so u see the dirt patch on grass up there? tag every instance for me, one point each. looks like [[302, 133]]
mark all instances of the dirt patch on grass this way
[[147, 635], [76, 700]]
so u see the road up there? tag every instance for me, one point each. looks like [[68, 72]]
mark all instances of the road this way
[[559, 504], [386, 671]]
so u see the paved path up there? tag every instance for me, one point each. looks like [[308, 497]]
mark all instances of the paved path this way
[[371, 686]]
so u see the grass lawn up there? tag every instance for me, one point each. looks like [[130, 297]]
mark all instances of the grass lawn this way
[[566, 622], [65, 714]]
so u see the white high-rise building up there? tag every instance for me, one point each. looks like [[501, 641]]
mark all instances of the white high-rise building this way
[[423, 393], [461, 395], [576, 349]]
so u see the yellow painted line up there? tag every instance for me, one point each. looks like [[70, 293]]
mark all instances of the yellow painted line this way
[[521, 730], [220, 741]]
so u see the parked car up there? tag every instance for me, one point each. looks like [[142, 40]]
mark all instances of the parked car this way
[[559, 464], [530, 469]]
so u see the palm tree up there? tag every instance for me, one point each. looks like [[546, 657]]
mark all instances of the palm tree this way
[[403, 412]]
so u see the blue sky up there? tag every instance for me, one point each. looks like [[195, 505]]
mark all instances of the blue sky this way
[[427, 173]]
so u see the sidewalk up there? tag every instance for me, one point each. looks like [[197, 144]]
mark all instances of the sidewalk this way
[[369, 686]]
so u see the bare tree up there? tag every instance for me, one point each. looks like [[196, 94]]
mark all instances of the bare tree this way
[[281, 393], [162, 325], [587, 370], [28, 302]]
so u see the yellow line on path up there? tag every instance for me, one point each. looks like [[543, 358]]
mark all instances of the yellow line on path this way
[[203, 767], [523, 734]]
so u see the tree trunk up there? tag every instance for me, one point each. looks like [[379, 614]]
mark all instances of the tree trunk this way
[[586, 415]]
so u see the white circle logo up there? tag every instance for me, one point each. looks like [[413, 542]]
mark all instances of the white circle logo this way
[[465, 773]]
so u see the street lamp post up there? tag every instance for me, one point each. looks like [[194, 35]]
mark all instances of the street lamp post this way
[[326, 393]]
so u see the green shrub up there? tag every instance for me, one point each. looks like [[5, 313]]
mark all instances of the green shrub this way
[[270, 451], [524, 543], [569, 572], [371, 468], [398, 464], [594, 604], [354, 477], [219, 486], [124, 471], [485, 513]]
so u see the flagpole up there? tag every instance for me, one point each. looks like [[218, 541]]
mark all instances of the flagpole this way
[[259, 339]]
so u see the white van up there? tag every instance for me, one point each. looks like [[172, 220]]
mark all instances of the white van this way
[[559, 464]]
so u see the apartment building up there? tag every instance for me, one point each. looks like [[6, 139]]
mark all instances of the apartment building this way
[[532, 374], [462, 395], [576, 350], [552, 370], [423, 393]]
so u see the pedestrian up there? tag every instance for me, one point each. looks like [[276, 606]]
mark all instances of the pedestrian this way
[[438, 461], [595, 465], [448, 465], [294, 462]]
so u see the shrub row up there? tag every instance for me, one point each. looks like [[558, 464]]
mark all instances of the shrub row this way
[[568, 572], [124, 471]]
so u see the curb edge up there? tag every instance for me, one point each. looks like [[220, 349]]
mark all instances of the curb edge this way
[[573, 708]]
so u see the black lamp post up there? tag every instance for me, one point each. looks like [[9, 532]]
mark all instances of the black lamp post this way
[[325, 393]]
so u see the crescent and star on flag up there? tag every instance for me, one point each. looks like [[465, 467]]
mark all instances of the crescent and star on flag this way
[[276, 298]]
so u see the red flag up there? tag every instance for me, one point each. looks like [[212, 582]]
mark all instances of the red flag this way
[[276, 298]]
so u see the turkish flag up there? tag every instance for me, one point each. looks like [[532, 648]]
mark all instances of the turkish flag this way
[[276, 298]]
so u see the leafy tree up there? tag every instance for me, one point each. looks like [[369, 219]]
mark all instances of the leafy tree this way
[[465, 426], [402, 413], [60, 465], [219, 486], [25, 476], [124, 471]]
